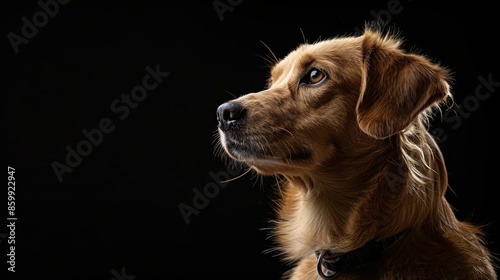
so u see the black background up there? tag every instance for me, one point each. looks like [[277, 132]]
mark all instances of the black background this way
[[117, 212]]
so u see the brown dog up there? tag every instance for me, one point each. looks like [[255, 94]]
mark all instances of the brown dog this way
[[344, 122]]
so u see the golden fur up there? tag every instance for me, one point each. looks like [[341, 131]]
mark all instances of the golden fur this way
[[357, 160]]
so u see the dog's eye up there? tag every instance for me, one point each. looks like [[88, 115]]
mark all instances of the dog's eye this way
[[313, 76]]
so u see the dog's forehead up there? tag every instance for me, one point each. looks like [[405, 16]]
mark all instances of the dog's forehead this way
[[300, 57], [305, 54]]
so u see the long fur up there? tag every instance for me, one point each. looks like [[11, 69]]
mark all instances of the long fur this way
[[357, 159]]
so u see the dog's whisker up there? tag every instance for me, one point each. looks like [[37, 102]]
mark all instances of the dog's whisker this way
[[269, 60], [276, 60], [237, 177], [261, 183], [304, 40], [290, 154], [230, 93], [265, 148], [256, 177], [284, 129]]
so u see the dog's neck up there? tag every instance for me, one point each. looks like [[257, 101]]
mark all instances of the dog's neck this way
[[340, 203]]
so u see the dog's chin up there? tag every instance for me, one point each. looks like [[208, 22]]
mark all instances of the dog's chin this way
[[271, 164]]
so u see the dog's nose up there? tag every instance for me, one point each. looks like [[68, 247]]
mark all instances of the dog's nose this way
[[228, 114]]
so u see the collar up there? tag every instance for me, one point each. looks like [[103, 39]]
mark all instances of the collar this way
[[330, 264]]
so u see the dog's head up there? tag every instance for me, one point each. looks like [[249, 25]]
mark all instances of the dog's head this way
[[327, 100]]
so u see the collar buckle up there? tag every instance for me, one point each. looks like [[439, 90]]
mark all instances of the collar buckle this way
[[329, 264], [326, 264]]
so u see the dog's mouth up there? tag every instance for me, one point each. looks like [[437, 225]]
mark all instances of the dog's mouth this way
[[259, 152]]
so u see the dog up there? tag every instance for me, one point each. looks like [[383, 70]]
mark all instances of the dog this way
[[344, 123]]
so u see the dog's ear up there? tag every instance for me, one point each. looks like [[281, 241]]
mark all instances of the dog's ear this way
[[397, 86]]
